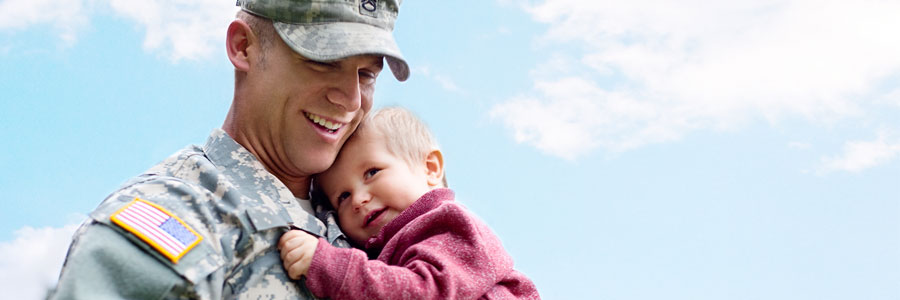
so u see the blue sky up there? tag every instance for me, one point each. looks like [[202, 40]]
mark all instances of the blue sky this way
[[739, 150]]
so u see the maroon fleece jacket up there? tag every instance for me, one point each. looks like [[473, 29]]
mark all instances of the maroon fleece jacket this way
[[435, 249]]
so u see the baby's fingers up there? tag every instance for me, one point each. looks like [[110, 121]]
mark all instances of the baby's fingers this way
[[295, 270], [297, 261], [291, 239], [292, 256]]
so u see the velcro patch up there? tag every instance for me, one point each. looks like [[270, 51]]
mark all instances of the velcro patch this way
[[157, 227]]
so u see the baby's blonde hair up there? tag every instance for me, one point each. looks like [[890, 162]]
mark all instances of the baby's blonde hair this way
[[406, 136]]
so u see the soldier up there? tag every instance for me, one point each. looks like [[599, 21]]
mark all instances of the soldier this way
[[205, 222]]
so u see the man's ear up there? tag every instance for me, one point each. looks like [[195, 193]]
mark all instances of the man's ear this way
[[434, 168], [237, 41]]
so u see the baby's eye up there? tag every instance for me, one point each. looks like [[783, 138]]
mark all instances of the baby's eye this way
[[371, 172], [343, 196]]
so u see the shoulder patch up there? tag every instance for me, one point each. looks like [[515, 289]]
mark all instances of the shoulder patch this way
[[157, 227]]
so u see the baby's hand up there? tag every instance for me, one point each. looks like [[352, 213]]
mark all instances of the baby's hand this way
[[297, 248]]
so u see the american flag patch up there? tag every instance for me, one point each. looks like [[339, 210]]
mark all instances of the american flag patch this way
[[157, 227]]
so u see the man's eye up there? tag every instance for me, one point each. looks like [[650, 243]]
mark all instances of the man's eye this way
[[367, 77], [371, 172]]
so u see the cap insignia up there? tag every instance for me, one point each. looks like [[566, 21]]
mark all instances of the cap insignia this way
[[368, 7]]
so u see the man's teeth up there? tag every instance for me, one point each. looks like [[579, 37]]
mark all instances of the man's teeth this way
[[322, 122]]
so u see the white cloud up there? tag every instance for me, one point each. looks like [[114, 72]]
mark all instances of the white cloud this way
[[178, 29], [581, 118], [653, 71], [799, 145], [67, 17], [891, 98], [861, 155], [445, 82], [30, 264]]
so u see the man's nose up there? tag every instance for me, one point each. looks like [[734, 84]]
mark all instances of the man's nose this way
[[345, 92]]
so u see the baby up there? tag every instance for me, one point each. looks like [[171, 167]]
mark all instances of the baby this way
[[387, 186]]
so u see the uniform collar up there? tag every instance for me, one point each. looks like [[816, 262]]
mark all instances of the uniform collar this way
[[235, 161], [250, 177]]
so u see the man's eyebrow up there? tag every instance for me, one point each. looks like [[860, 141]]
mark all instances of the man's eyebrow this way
[[378, 61], [305, 59], [334, 63], [375, 60]]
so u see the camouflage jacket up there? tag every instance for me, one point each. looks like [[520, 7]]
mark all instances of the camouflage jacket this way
[[224, 206]]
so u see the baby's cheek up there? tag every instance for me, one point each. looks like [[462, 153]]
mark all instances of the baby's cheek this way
[[344, 220]]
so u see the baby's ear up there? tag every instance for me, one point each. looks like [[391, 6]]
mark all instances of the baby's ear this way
[[434, 168]]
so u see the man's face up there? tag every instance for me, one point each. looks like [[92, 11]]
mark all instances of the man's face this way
[[303, 111], [369, 186]]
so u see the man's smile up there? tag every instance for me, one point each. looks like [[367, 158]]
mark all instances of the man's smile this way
[[329, 125]]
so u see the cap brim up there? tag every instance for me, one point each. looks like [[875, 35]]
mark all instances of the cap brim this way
[[334, 41]]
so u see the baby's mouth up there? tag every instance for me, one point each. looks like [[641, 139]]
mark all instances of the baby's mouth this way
[[372, 216]]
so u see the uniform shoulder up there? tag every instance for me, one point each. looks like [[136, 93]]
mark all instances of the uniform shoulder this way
[[188, 158]]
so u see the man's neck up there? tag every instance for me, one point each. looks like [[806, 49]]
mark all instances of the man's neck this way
[[298, 185], [300, 188]]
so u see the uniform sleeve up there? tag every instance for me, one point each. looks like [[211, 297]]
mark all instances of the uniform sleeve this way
[[102, 264], [442, 255], [107, 261]]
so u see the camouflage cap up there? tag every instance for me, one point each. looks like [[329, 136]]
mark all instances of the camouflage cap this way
[[327, 30]]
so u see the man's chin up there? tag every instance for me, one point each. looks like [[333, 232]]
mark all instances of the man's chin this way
[[318, 163]]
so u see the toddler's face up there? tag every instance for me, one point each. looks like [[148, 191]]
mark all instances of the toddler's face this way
[[369, 186]]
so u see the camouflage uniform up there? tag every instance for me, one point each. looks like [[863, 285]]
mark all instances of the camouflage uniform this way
[[226, 195]]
